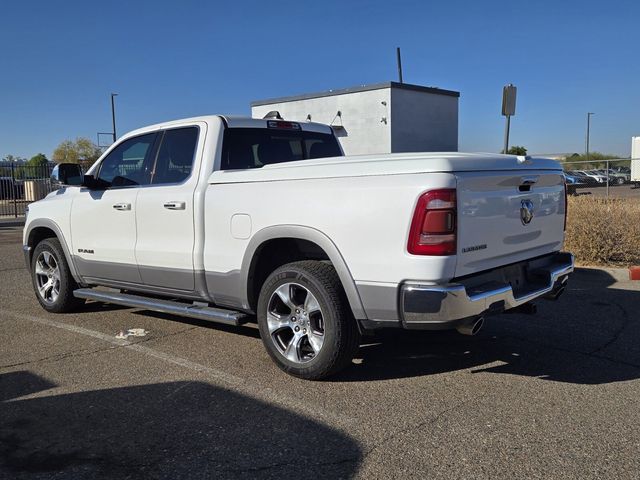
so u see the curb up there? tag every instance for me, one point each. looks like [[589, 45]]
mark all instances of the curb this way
[[13, 222], [620, 274]]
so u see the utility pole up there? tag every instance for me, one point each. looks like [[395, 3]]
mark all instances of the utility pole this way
[[588, 131], [113, 115], [399, 64]]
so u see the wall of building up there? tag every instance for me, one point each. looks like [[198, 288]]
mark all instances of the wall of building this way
[[423, 122], [635, 164], [362, 112]]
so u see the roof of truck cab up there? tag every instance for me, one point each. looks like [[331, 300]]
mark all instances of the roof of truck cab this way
[[236, 121], [232, 121]]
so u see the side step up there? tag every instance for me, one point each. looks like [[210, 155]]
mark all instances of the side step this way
[[228, 317]]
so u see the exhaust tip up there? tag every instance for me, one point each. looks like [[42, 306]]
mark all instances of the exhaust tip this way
[[471, 327], [557, 293]]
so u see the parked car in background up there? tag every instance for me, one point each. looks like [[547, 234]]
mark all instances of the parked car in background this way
[[572, 183], [621, 169], [596, 178], [584, 179], [618, 178], [601, 176]]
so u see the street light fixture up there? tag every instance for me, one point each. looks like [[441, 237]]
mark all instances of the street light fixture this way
[[588, 130], [113, 115]]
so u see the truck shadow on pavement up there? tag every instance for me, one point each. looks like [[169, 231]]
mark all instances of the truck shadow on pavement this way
[[164, 430], [591, 335]]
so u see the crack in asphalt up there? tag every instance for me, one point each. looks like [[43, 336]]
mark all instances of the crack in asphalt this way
[[59, 356], [593, 353], [233, 382], [83, 352], [568, 350], [264, 468], [12, 269], [430, 421], [626, 322]]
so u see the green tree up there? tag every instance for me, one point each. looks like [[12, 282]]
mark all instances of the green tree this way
[[66, 153], [35, 167], [596, 160], [82, 150], [39, 160], [88, 151], [516, 150]]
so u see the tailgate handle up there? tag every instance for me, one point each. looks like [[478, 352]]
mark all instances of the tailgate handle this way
[[526, 183]]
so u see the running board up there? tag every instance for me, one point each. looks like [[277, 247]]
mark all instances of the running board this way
[[220, 315]]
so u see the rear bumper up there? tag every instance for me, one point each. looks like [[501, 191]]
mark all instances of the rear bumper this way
[[444, 306]]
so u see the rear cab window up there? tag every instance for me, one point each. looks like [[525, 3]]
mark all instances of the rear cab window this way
[[244, 148], [174, 161]]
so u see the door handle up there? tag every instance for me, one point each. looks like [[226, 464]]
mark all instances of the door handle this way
[[122, 206], [175, 205]]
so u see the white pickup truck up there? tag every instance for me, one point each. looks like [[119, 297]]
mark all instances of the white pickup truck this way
[[236, 219]]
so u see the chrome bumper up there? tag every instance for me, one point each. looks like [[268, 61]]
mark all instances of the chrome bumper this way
[[442, 306]]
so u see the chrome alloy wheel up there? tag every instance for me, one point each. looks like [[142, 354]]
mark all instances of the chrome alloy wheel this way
[[47, 277], [295, 322]]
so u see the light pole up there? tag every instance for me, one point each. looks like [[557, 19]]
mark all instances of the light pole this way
[[113, 115], [588, 129]]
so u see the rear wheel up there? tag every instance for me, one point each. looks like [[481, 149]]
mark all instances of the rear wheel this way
[[305, 321], [52, 278]]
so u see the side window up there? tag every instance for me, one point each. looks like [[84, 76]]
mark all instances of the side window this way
[[128, 163], [175, 157]]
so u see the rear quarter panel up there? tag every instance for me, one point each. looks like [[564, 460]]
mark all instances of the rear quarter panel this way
[[367, 218]]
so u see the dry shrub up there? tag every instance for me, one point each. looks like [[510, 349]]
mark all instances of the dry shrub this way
[[604, 232]]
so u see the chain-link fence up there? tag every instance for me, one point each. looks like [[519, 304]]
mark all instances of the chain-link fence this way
[[615, 178], [20, 185]]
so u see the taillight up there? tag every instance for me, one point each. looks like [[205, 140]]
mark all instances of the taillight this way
[[433, 228], [566, 205]]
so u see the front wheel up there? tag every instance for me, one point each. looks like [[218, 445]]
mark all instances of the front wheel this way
[[52, 278], [305, 320]]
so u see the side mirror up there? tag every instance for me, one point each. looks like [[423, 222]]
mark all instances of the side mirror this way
[[66, 174]]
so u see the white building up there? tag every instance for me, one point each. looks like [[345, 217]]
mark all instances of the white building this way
[[635, 163], [381, 118]]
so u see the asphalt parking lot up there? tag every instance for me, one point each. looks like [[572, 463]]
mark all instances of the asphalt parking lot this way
[[556, 395]]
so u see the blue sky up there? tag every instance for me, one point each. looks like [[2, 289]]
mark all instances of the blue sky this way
[[60, 60]]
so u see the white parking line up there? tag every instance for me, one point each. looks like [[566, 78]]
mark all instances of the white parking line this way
[[239, 384]]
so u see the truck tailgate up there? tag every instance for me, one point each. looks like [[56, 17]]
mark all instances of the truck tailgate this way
[[506, 216]]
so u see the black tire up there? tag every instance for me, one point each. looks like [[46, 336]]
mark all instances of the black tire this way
[[64, 301], [620, 181], [340, 335]]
